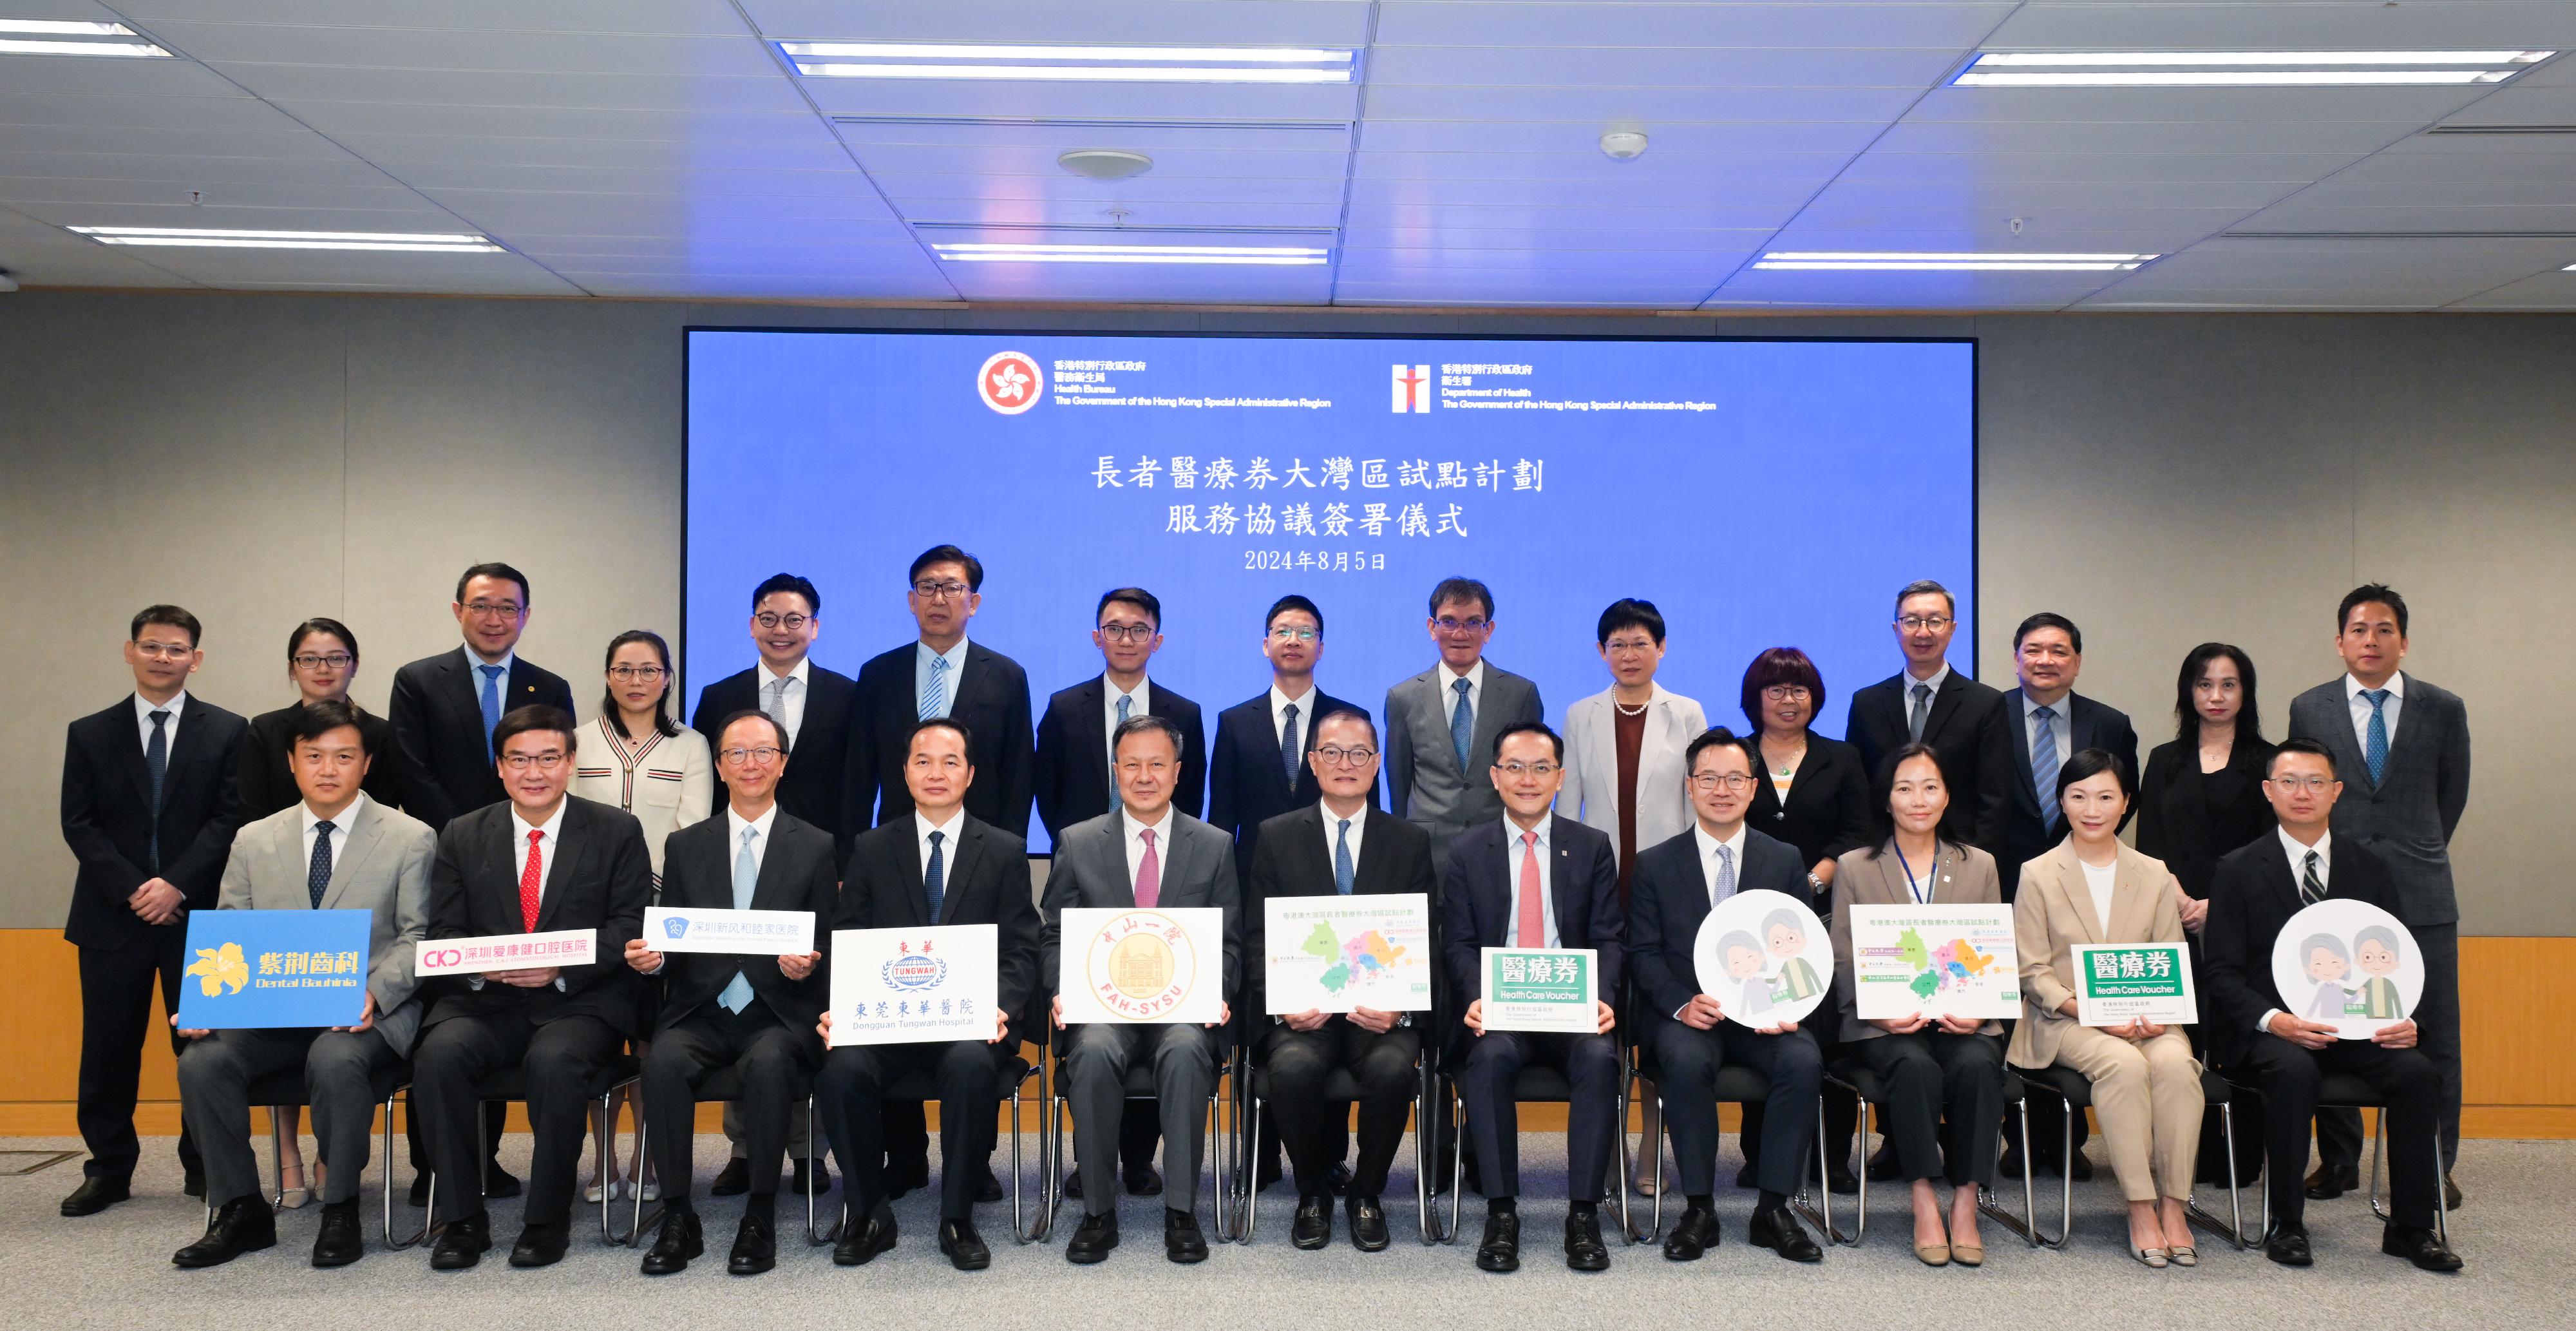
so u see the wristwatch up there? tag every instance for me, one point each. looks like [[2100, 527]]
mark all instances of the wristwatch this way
[[1814, 884]]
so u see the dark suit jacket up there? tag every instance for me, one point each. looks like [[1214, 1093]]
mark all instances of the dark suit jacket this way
[[437, 715], [601, 878], [108, 818], [2250, 898], [1476, 897], [797, 872], [2409, 815], [2094, 726], [1827, 813], [819, 759], [993, 704], [1668, 899], [1972, 735], [1073, 781], [1395, 858], [265, 784], [984, 880], [2176, 822], [1248, 777]]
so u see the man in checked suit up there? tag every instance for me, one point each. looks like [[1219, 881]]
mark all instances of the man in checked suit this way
[[1953, 713], [2402, 745], [1441, 724]]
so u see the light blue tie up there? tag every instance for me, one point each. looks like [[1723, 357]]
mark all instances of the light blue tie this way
[[2043, 765], [1342, 871], [1725, 876], [1462, 724], [934, 699], [1126, 704], [746, 876], [491, 705], [2376, 754]]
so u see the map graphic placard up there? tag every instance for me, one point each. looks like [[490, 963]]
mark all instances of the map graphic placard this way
[[1336, 953], [274, 969], [1541, 989], [912, 986], [1765, 957], [2116, 983], [1935, 961], [2350, 965], [1138, 966]]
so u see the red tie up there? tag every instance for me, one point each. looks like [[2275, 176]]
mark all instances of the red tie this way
[[1149, 873], [1533, 926], [528, 883]]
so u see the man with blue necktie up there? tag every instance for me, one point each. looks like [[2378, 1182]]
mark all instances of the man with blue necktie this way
[[2404, 745], [1441, 724]]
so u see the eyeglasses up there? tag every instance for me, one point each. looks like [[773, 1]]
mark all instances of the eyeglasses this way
[[1788, 693], [1476, 624], [1728, 781], [1540, 770], [1294, 635], [770, 619], [543, 762], [336, 661], [1127, 632], [159, 651], [2292, 785], [1629, 645], [760, 757], [938, 591], [1335, 755], [1918, 623], [494, 609], [635, 674]]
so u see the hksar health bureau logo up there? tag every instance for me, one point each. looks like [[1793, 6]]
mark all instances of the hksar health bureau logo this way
[[914, 971], [1010, 382]]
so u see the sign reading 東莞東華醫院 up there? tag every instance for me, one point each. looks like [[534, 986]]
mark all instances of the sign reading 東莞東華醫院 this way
[[910, 986]]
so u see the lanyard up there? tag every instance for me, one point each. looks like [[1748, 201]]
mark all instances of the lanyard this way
[[1915, 886]]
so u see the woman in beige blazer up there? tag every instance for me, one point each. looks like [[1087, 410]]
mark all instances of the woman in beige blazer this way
[[2146, 1084], [1944, 1075]]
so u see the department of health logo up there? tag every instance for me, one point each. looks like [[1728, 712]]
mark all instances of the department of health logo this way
[[1140, 965], [1010, 382], [1412, 389]]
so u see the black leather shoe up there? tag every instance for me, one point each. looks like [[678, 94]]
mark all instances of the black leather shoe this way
[[755, 1247], [1501, 1248], [1744, 1178], [245, 1224], [1368, 1222], [192, 1183], [1267, 1172], [2008, 1165], [340, 1241], [1143, 1182], [1313, 1227], [2083, 1168], [1774, 1228], [1584, 1250], [733, 1180], [541, 1244], [902, 1176], [2328, 1182], [681, 1238], [2289, 1247], [1073, 1182], [1882, 1164], [1182, 1241], [2423, 1247], [1693, 1235], [1842, 1182], [963, 1247], [990, 1190], [1339, 1178], [499, 1182], [1093, 1239], [821, 1174], [461, 1243], [2450, 1194], [864, 1240], [96, 1194]]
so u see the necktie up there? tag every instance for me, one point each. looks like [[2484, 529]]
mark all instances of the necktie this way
[[1126, 704], [1290, 748], [1149, 874], [529, 876], [1532, 930], [1922, 711], [156, 757], [1342, 870], [777, 708], [491, 705], [1462, 724], [934, 699], [2043, 765], [319, 876], [2312, 889], [746, 876], [1725, 886], [2376, 751], [934, 879]]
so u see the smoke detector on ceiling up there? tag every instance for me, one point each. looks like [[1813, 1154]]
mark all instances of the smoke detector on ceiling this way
[[1623, 144], [1105, 163]]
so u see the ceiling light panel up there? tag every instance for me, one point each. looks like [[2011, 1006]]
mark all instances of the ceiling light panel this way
[[2243, 69], [1068, 63], [409, 242], [1903, 261], [1278, 256], [23, 36]]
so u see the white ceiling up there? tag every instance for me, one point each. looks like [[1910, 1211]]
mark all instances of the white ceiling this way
[[641, 148]]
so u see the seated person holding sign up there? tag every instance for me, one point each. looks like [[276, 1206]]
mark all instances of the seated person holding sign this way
[[1143, 855], [1677, 884], [751, 1013], [941, 866], [539, 861], [2146, 1084], [336, 849], [2252, 896], [1943, 1075], [1344, 846], [1535, 879]]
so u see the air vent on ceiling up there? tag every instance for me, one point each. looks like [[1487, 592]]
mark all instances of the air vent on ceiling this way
[[2397, 235], [2502, 129]]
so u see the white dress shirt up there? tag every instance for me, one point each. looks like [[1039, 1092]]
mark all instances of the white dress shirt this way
[[734, 825], [548, 836], [1514, 851], [922, 827], [1305, 716], [2388, 710], [1905, 697], [799, 681], [922, 656], [1136, 844], [476, 663], [2299, 862], [339, 830], [1333, 836], [1109, 696], [2060, 725], [1475, 677], [1708, 847], [2101, 880], [143, 710]]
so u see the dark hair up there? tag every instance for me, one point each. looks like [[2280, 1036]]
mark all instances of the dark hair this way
[[1349, 714], [1882, 788], [1925, 587], [948, 554], [1142, 722], [965, 737], [536, 716], [1554, 740], [2050, 619], [315, 719], [1292, 601], [501, 572], [2365, 594], [1629, 612], [1461, 589], [1780, 665], [2088, 763], [754, 713], [778, 583], [168, 616], [2300, 744], [1135, 596], [663, 725], [1716, 737], [295, 636], [2249, 719]]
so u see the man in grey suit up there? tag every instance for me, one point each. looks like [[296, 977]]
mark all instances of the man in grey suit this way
[[1143, 854], [2404, 747], [1441, 724], [335, 850]]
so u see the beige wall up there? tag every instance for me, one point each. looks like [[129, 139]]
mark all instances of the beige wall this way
[[2162, 479]]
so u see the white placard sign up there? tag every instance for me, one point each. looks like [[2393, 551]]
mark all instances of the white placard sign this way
[[1136, 966], [505, 952], [1336, 953], [1542, 989], [1934, 961], [2117, 983], [1765, 957], [2350, 965], [913, 986], [767, 933]]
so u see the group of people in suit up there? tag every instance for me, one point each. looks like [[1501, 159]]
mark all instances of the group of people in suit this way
[[901, 798]]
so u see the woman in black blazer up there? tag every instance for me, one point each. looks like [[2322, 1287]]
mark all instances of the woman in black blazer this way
[[321, 660]]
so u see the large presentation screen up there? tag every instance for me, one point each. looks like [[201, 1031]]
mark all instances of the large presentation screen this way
[[1760, 493]]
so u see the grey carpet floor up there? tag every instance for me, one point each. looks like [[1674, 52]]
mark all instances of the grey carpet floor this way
[[2518, 1235]]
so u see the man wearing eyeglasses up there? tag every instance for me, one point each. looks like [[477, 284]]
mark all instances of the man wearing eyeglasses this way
[[540, 861], [1952, 712], [1441, 724], [941, 674]]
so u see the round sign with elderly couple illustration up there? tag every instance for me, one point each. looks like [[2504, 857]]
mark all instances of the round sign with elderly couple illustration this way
[[1765, 957], [2350, 965]]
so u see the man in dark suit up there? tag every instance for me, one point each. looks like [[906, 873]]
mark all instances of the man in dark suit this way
[[1075, 782], [1441, 724], [2403, 746], [2257, 1032], [943, 674], [1534, 879], [149, 811], [1676, 885], [941, 866], [1250, 777], [1340, 845], [754, 1014], [541, 860], [1953, 713]]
